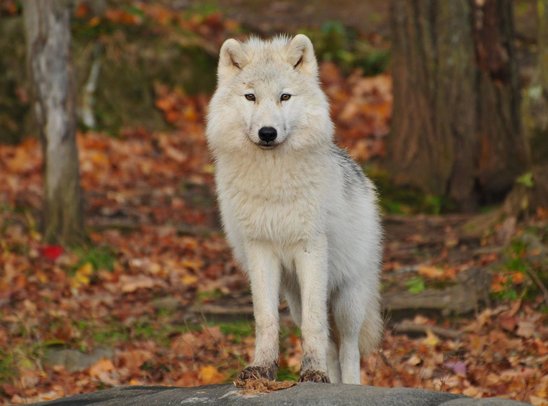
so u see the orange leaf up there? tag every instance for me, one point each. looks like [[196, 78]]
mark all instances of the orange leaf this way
[[210, 374], [432, 272], [189, 279], [518, 278], [100, 367]]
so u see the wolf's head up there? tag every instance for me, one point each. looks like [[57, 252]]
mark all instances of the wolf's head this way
[[268, 96]]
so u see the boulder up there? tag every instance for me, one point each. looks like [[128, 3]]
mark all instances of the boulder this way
[[302, 394]]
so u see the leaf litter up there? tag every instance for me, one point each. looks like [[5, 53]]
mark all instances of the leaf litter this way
[[150, 201]]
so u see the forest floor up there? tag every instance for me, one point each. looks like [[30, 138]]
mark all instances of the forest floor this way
[[157, 299]]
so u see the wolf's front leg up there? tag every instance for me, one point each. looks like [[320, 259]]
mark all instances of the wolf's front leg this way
[[264, 273], [311, 267]]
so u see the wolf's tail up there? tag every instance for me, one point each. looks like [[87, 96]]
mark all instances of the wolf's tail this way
[[371, 331]]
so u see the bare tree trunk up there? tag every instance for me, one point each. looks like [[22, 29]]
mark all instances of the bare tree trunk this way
[[542, 6], [535, 106], [47, 28], [455, 128]]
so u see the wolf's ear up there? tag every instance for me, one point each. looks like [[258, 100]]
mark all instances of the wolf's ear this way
[[232, 59], [300, 54]]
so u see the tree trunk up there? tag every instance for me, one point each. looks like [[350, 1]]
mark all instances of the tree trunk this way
[[535, 106], [455, 128], [47, 28], [542, 7]]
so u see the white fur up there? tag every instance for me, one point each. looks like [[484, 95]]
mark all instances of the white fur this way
[[301, 218]]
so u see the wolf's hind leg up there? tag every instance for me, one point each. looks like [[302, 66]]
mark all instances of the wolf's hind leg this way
[[349, 314], [333, 364], [293, 297]]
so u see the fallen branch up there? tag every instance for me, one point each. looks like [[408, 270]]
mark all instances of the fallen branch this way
[[218, 310], [88, 97], [407, 326]]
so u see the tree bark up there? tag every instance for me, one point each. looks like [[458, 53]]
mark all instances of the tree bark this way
[[47, 28], [542, 8], [535, 107], [455, 128]]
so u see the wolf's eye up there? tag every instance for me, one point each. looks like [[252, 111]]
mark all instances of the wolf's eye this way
[[250, 96], [285, 97]]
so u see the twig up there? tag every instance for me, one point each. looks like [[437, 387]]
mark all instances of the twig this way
[[385, 360], [539, 283], [218, 310], [407, 326], [88, 98]]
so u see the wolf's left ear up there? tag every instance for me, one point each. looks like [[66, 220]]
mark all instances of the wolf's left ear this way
[[300, 54], [232, 59]]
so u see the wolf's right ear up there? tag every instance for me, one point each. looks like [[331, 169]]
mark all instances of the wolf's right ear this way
[[300, 54], [232, 59]]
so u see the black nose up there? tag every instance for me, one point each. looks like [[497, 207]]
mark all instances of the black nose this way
[[268, 134]]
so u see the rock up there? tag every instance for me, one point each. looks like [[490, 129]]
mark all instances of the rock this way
[[302, 394], [168, 303], [74, 360], [465, 296]]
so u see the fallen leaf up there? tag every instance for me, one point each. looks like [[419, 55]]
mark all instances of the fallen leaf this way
[[130, 283], [82, 276], [537, 401], [252, 386], [210, 374], [189, 280], [458, 367], [518, 278], [432, 272], [526, 329], [431, 339], [414, 360], [51, 252], [100, 367], [508, 323]]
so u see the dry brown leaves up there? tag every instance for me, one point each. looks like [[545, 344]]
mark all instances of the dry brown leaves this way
[[150, 199], [257, 386]]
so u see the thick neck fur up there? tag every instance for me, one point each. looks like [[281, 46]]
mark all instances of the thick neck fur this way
[[275, 195]]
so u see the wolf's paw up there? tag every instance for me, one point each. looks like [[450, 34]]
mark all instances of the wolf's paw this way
[[313, 375], [258, 372]]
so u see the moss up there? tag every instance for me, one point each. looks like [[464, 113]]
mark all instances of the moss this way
[[396, 199], [14, 106], [133, 59], [339, 44], [8, 367], [286, 374], [100, 257], [237, 329]]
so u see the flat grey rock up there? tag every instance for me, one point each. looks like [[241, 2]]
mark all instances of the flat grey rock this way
[[302, 394], [74, 360]]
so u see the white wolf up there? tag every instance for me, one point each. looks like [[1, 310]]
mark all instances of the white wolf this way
[[298, 212]]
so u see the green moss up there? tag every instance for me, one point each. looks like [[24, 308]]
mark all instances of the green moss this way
[[209, 295], [339, 44], [415, 285], [100, 257], [519, 261], [110, 336], [286, 374], [133, 58], [237, 329], [405, 200], [8, 367]]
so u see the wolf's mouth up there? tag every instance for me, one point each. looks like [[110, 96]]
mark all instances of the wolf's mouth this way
[[267, 145]]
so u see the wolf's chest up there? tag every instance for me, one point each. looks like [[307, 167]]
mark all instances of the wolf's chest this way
[[284, 206]]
